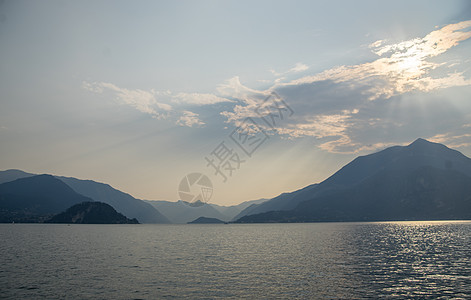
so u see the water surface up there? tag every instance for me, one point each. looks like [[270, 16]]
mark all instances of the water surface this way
[[316, 260]]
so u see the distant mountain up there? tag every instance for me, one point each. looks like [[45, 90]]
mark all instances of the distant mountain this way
[[91, 213], [181, 213], [421, 181], [232, 211], [35, 198], [285, 201], [204, 220], [122, 202], [10, 175]]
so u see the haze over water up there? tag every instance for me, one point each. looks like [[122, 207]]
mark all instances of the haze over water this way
[[316, 260]]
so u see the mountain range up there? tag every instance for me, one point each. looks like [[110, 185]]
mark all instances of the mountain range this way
[[421, 181], [204, 220], [181, 212], [26, 197]]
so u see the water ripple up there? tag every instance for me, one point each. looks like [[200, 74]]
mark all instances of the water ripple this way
[[416, 260]]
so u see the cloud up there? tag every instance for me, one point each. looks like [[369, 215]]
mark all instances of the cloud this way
[[156, 103], [345, 145], [328, 105], [92, 87], [151, 101], [143, 101], [189, 119], [433, 44], [403, 67], [319, 126], [340, 107], [198, 99], [234, 89], [455, 139], [299, 67]]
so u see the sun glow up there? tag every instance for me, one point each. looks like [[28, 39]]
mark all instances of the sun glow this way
[[410, 66]]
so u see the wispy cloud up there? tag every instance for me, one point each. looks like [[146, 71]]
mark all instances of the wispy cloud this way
[[319, 126], [143, 101], [159, 104], [234, 89], [198, 99], [454, 139], [298, 67], [189, 119]]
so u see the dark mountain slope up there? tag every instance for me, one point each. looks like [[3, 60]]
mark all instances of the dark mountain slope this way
[[285, 201], [34, 198], [232, 211], [423, 194], [378, 187], [122, 202], [91, 213], [418, 154]]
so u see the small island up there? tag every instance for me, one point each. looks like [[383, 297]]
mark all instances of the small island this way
[[205, 220], [91, 213]]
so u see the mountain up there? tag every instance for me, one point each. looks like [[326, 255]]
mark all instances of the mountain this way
[[122, 202], [204, 220], [232, 211], [181, 212], [35, 198], [285, 201], [144, 211], [420, 153], [421, 181], [10, 175], [91, 213]]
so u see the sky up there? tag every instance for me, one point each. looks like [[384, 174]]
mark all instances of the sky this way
[[261, 97]]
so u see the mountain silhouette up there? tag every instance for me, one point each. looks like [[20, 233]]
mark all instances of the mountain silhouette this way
[[182, 212], [91, 213], [13, 174], [122, 202], [205, 220], [421, 181], [32, 199]]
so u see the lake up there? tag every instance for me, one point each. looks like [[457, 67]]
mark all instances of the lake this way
[[310, 260]]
